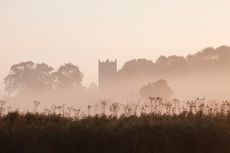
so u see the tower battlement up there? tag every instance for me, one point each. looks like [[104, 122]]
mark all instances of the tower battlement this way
[[107, 62]]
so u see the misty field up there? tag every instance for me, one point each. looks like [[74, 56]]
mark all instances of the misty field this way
[[157, 126]]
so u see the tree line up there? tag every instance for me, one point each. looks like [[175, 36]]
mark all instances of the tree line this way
[[27, 77]]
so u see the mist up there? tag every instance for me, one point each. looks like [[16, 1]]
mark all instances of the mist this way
[[203, 74]]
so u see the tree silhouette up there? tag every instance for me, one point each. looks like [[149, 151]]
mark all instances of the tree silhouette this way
[[68, 76], [157, 89], [28, 77]]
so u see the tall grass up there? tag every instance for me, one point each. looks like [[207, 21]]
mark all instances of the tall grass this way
[[157, 126]]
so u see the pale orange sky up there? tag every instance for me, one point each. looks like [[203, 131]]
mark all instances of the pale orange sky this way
[[82, 31]]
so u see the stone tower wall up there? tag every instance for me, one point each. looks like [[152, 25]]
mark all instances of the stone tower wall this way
[[107, 72]]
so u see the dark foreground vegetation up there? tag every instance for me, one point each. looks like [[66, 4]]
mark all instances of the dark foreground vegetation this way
[[199, 129]]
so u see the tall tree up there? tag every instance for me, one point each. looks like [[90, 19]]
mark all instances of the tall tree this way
[[68, 76]]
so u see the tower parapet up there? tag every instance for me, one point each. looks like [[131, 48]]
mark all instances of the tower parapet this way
[[108, 62]]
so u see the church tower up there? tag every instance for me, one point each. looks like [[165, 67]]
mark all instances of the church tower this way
[[106, 74]]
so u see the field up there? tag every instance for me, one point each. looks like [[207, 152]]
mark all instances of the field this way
[[158, 126]]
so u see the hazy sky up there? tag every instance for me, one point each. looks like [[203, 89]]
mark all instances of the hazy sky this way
[[82, 31]]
